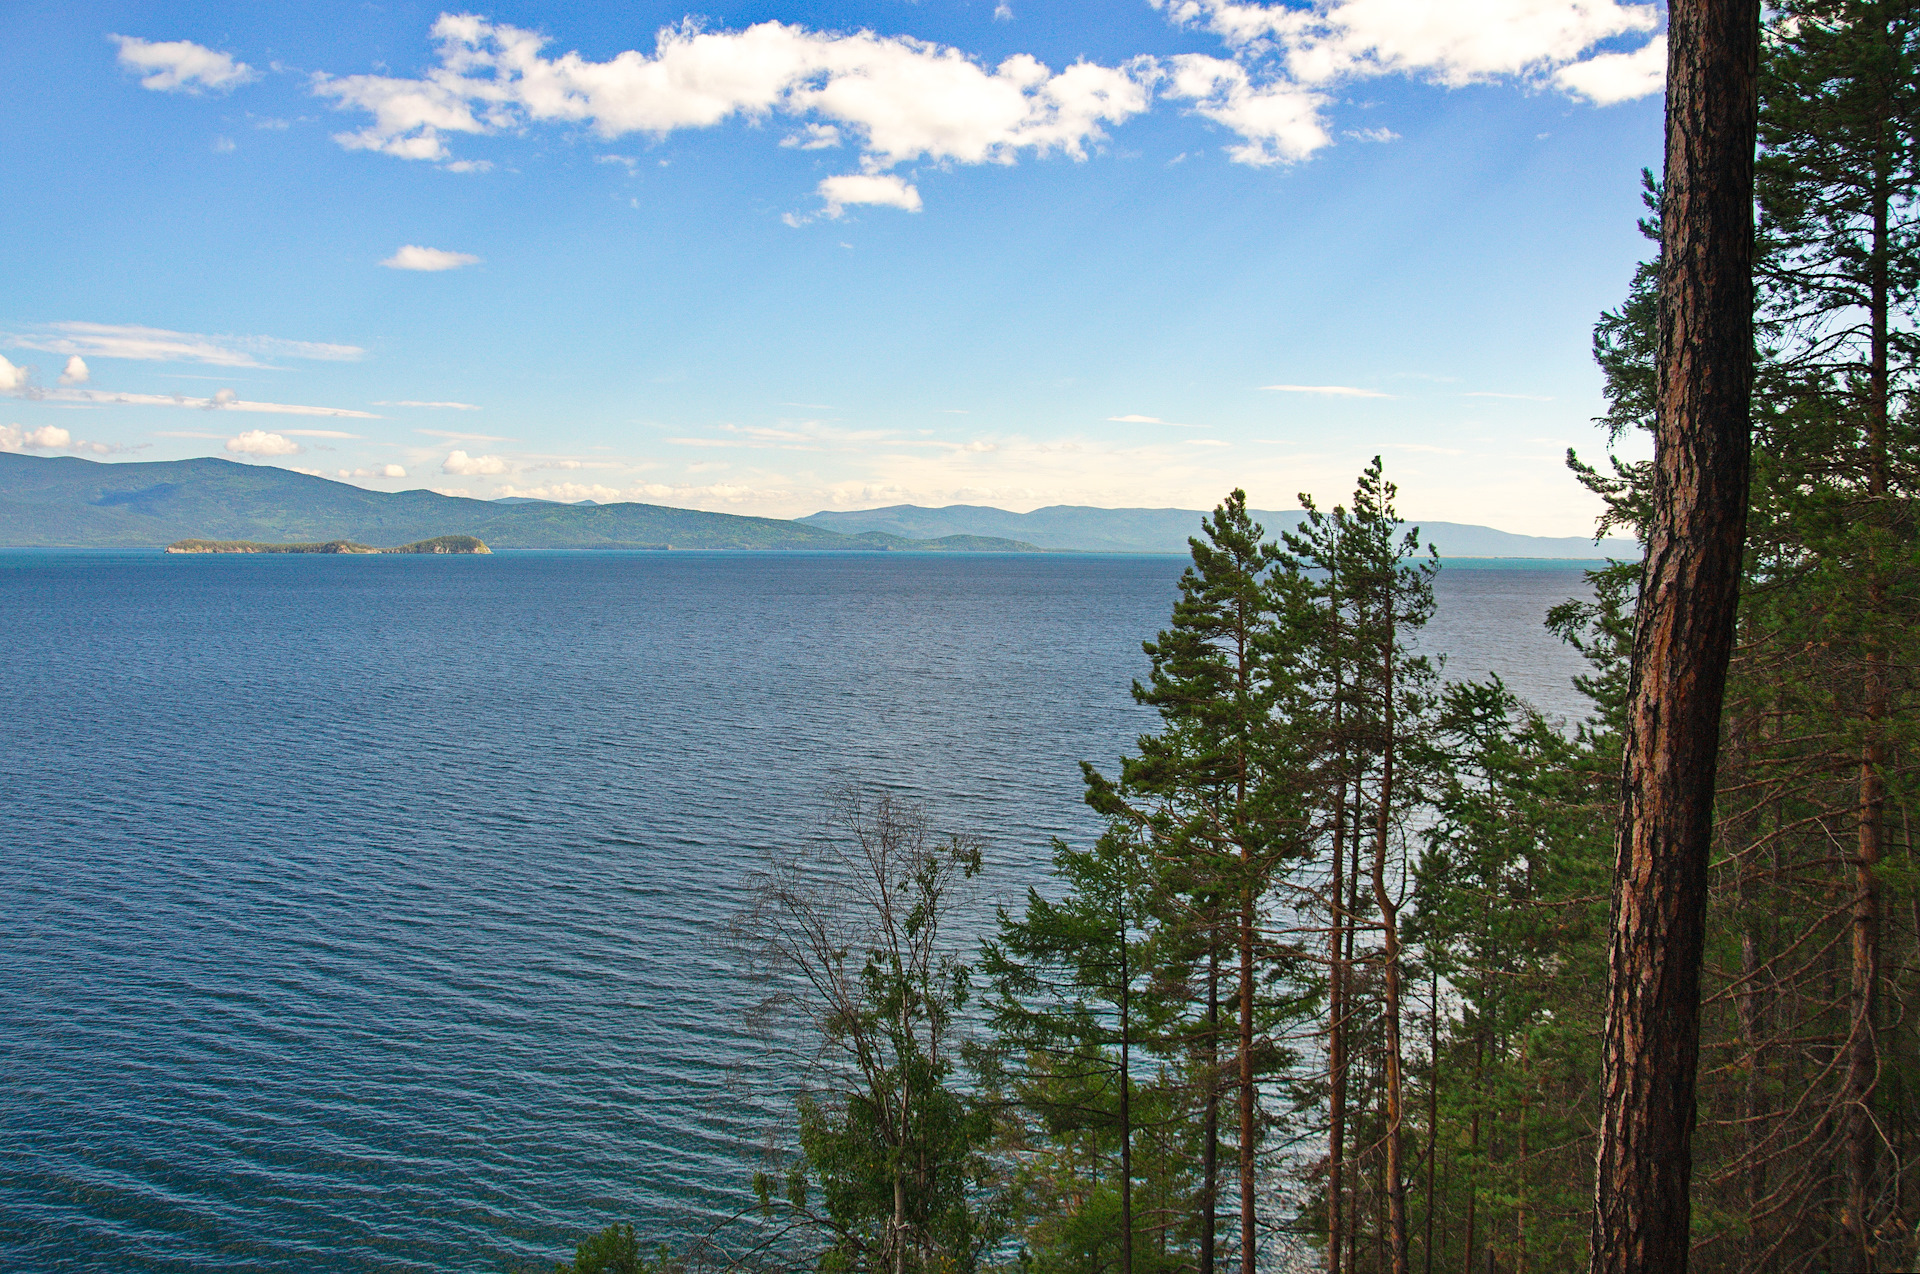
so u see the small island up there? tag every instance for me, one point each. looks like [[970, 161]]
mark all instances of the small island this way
[[439, 544]]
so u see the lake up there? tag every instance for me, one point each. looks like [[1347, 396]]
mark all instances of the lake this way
[[357, 910]]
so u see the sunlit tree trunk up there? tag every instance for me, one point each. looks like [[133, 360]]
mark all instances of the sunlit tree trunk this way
[[1682, 641]]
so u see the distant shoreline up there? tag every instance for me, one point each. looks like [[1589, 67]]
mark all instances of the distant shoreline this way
[[438, 544]]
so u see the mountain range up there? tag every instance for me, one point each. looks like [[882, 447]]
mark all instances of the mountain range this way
[[1073, 526], [66, 501]]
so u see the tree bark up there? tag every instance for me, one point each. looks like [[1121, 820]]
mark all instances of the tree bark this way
[[1248, 1244], [1210, 1151], [1336, 1030], [1683, 638], [1126, 1102], [1863, 1053], [1396, 1182], [1433, 1101]]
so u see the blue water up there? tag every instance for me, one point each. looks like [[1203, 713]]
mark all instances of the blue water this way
[[355, 912]]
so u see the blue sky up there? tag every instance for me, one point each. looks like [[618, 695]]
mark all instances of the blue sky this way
[[771, 258]]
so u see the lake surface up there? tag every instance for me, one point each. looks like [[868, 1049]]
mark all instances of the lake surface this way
[[356, 910]]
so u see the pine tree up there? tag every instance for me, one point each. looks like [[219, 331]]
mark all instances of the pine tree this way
[[1215, 792], [1078, 1015]]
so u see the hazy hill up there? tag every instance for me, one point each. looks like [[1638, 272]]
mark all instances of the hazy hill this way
[[1071, 526], [67, 501]]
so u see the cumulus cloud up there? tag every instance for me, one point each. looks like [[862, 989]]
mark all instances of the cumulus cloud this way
[[1617, 77], [1280, 121], [156, 344], [460, 464], [1465, 42], [45, 438], [898, 98], [181, 66], [883, 189], [76, 372], [13, 379], [377, 471], [258, 442], [414, 257]]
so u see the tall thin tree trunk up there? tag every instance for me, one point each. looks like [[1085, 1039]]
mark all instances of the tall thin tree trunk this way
[[1473, 1136], [1683, 638], [1863, 1060], [1248, 1243], [1336, 1028], [1396, 1182], [1520, 1162], [1126, 1100], [1210, 1151], [1433, 1100], [1352, 938]]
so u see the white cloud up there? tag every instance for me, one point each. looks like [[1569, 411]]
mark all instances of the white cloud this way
[[155, 344], [565, 492], [901, 99], [1137, 420], [814, 137], [883, 189], [1373, 135], [13, 379], [258, 442], [1279, 120], [181, 65], [377, 471], [414, 257], [50, 438], [408, 402], [76, 371], [460, 464], [1618, 77], [317, 433], [1457, 43], [451, 436], [45, 438], [223, 400], [1332, 391]]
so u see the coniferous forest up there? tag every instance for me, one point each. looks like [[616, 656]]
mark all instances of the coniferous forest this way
[[1328, 992]]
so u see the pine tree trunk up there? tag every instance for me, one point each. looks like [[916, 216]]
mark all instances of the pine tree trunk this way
[[1433, 1101], [1396, 1182], [1473, 1137], [1336, 1030], [1682, 641], [1248, 1243], [1862, 1043], [1210, 1150], [1126, 1107]]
